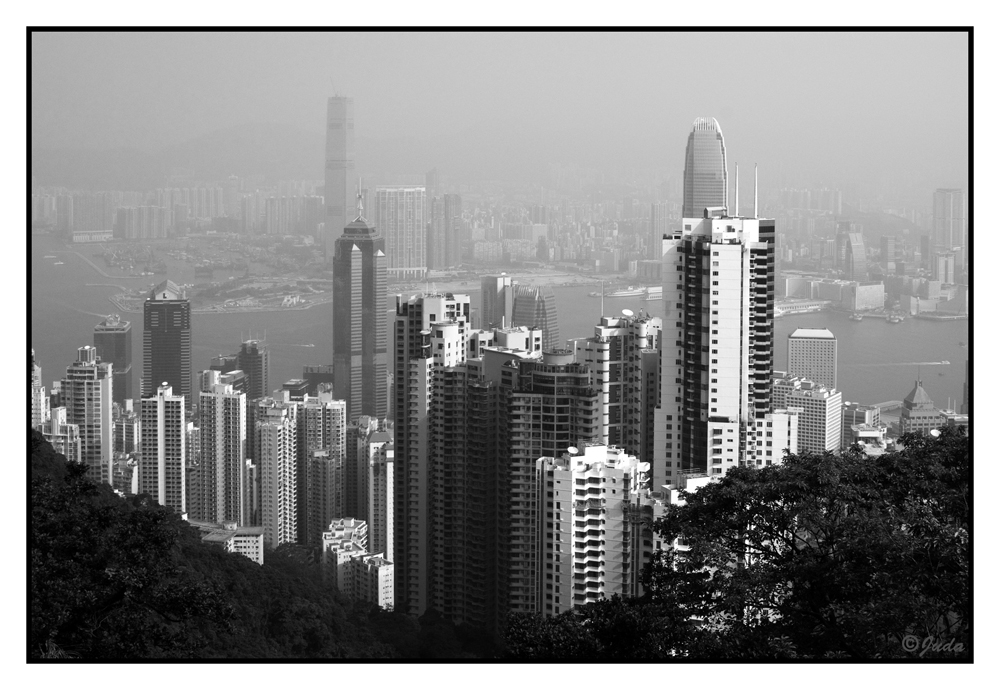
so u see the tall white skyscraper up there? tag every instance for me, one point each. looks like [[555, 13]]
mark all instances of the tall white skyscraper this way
[[812, 354], [163, 459], [340, 179], [718, 337], [399, 215], [497, 302], [224, 483], [87, 396], [277, 448]]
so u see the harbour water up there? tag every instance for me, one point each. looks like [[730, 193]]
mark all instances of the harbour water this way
[[877, 360]]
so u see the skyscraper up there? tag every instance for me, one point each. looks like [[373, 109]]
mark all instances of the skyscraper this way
[[166, 341], [254, 360], [340, 177], [535, 307], [322, 432], [87, 396], [277, 448], [399, 215], [820, 411], [452, 227], [497, 306], [39, 396], [359, 320], [706, 177], [718, 337], [113, 340], [950, 222], [855, 259], [163, 459], [812, 354], [658, 227], [224, 483]]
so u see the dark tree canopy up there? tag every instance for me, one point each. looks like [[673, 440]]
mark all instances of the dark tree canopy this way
[[821, 557]]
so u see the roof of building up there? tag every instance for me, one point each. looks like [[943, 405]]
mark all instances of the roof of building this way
[[812, 333], [168, 289], [918, 395]]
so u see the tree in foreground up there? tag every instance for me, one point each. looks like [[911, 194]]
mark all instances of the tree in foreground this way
[[822, 557]]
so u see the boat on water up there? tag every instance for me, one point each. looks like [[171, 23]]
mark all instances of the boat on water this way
[[49, 256], [630, 291], [654, 293], [594, 294], [58, 263], [856, 317], [894, 318], [945, 361]]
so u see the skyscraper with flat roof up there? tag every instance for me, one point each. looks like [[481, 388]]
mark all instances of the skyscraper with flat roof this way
[[360, 346], [163, 459], [706, 177], [254, 360], [339, 168], [497, 306], [166, 341], [399, 214], [113, 340], [224, 483], [87, 396], [950, 222], [812, 354]]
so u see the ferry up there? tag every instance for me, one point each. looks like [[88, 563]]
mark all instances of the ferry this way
[[630, 291], [893, 318], [58, 263], [654, 293], [856, 317]]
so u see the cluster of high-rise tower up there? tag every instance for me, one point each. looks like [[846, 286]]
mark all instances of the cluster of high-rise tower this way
[[483, 471]]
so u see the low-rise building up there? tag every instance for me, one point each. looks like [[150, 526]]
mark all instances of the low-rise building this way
[[246, 541]]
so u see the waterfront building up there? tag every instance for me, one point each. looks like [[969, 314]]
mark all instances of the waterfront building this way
[[497, 301], [582, 536], [820, 411], [113, 340], [339, 175], [245, 540], [86, 393], [277, 449], [166, 341], [718, 341], [856, 261], [360, 346], [399, 215], [706, 176], [535, 307], [623, 357], [856, 414], [65, 438], [163, 456], [812, 354], [918, 413], [224, 484]]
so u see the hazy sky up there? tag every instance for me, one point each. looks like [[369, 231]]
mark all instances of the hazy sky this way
[[828, 105]]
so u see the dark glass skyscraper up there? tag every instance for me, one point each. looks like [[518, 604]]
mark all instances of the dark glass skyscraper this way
[[113, 342], [706, 181], [359, 320], [253, 360], [166, 341], [535, 307]]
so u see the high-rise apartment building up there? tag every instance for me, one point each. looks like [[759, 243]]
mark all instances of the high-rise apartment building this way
[[535, 307], [582, 535], [65, 438], [224, 481], [113, 340], [340, 179], [950, 222], [658, 227], [717, 342], [163, 458], [277, 448], [430, 336], [436, 241], [706, 176], [39, 396], [378, 488], [623, 357], [166, 341], [497, 305], [820, 411], [322, 435], [360, 347], [349, 565], [399, 216], [771, 436], [812, 354], [87, 391]]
